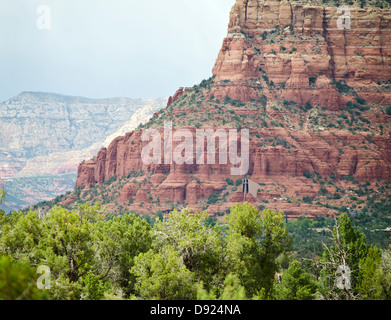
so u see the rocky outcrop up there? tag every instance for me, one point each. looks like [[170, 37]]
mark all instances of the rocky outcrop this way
[[275, 51], [179, 93], [337, 154], [290, 43]]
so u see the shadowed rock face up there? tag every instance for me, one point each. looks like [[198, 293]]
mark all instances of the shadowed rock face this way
[[280, 51]]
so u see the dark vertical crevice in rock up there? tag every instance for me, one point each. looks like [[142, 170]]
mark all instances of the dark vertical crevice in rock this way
[[354, 165], [329, 48], [290, 5], [245, 10]]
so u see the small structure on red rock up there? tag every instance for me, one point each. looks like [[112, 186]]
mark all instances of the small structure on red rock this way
[[250, 187]]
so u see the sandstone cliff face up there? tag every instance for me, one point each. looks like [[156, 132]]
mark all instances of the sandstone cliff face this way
[[276, 52], [326, 154], [307, 44]]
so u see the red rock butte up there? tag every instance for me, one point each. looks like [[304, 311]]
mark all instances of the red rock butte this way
[[277, 57], [309, 46]]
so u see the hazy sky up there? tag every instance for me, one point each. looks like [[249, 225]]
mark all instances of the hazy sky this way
[[109, 48]]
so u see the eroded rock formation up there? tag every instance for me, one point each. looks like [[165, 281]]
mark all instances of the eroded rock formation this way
[[291, 44], [275, 52]]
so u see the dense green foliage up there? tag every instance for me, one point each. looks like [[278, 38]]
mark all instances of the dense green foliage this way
[[93, 255], [17, 281], [373, 221], [296, 284]]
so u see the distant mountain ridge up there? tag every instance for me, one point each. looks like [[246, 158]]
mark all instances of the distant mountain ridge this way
[[38, 124], [45, 134], [57, 97]]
